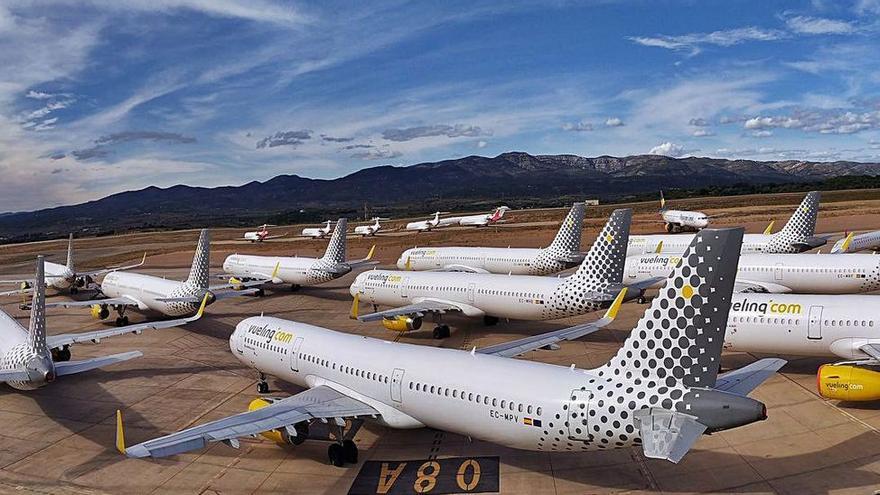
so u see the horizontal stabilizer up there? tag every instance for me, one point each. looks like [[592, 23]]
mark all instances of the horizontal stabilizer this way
[[235, 293], [13, 376], [743, 380], [73, 367], [667, 434]]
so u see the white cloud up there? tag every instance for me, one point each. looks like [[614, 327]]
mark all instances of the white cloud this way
[[38, 95], [762, 133], [581, 126], [725, 38], [702, 133], [668, 149], [482, 144], [614, 122], [819, 25], [252, 10]]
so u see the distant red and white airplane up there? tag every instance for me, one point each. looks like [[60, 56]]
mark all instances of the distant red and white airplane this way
[[262, 234], [483, 220]]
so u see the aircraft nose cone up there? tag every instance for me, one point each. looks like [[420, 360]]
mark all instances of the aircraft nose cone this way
[[49, 376]]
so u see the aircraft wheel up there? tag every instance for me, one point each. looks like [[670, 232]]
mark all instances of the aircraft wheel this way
[[336, 454], [641, 300], [73, 290], [119, 321], [438, 333], [263, 388], [350, 452], [124, 320], [260, 293], [64, 354], [490, 320], [294, 287]]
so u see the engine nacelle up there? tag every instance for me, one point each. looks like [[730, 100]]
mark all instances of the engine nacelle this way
[[848, 382], [402, 323], [100, 311], [281, 437]]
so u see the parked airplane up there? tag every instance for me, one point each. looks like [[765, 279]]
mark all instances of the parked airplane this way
[[65, 277], [262, 234], [491, 296], [317, 232], [869, 241], [124, 290], [425, 225], [370, 230], [30, 359], [563, 253], [681, 220], [296, 271], [844, 326], [805, 273], [483, 220], [661, 391], [797, 236]]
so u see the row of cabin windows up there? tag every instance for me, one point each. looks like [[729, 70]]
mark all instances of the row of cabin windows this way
[[475, 398], [800, 270], [477, 258], [348, 370], [491, 292], [797, 321], [512, 293], [266, 345]]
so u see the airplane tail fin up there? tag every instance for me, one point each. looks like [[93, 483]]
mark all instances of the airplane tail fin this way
[[679, 338], [37, 326], [604, 261], [70, 262], [568, 238], [199, 273], [802, 223], [662, 200], [337, 247]]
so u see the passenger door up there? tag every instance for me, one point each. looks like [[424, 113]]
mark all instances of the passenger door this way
[[777, 272], [814, 329], [578, 414], [294, 352], [396, 384], [470, 294]]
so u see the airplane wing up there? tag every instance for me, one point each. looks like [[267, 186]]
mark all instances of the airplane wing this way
[[524, 345], [646, 284], [667, 434], [759, 287], [112, 301], [95, 273], [73, 367], [14, 292], [872, 350], [65, 339], [459, 268], [258, 279], [235, 293], [321, 402], [812, 242], [419, 308], [743, 380]]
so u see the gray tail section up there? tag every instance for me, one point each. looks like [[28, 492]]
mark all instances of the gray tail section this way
[[37, 326], [336, 249], [679, 338], [199, 273], [70, 262], [568, 239], [802, 223], [605, 260]]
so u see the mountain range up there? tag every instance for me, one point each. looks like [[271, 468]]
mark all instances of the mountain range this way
[[511, 177]]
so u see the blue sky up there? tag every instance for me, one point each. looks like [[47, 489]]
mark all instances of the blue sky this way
[[101, 96]]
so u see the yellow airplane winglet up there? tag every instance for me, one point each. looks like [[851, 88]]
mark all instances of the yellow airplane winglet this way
[[662, 200], [275, 271], [370, 254], [615, 306], [769, 229], [354, 307], [408, 265], [120, 433], [659, 248], [201, 310], [845, 247]]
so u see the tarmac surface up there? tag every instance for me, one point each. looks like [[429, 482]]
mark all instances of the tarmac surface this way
[[60, 439]]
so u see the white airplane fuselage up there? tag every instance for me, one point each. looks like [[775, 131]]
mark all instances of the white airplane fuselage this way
[[59, 277], [516, 261], [147, 290], [779, 273], [683, 218], [16, 354], [869, 241], [256, 236], [677, 243], [367, 230], [803, 324], [473, 396], [317, 232], [291, 270], [517, 297]]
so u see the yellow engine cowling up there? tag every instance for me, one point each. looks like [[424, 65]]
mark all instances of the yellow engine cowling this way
[[848, 382], [100, 312], [273, 435], [402, 323]]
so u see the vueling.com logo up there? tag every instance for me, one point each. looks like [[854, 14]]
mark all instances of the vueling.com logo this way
[[769, 307]]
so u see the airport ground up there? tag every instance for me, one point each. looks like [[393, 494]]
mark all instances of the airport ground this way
[[60, 439]]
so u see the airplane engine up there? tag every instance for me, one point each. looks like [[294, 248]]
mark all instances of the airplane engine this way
[[402, 323], [100, 311], [849, 382], [281, 437]]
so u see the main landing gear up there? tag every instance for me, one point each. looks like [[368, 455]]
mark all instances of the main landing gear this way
[[343, 450], [441, 332], [121, 321], [263, 385], [61, 355], [490, 320], [294, 287]]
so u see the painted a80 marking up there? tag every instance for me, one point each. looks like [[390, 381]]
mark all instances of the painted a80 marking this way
[[431, 476]]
